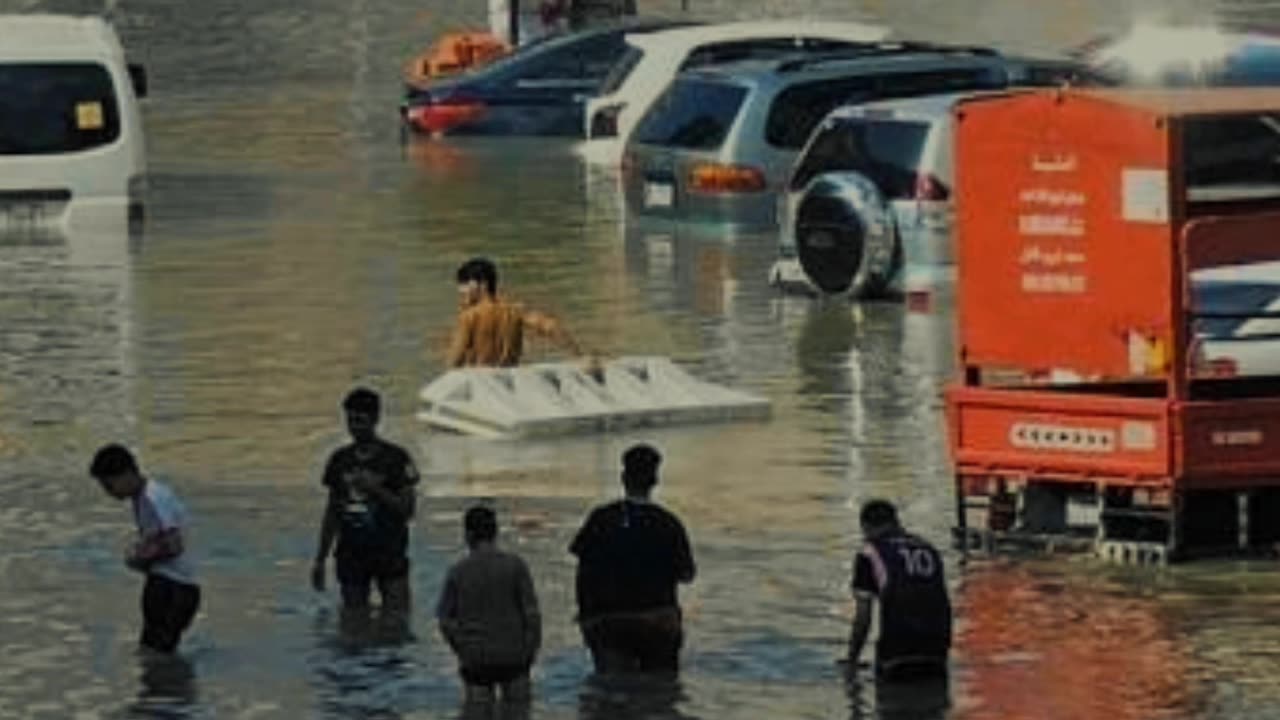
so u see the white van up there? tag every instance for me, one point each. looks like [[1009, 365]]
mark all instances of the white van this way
[[71, 145]]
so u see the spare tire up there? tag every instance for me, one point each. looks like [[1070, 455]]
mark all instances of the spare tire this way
[[845, 236]]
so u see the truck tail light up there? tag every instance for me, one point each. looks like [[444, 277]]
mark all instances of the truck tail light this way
[[718, 178]]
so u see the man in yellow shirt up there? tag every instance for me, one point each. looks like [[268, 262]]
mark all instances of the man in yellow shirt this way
[[491, 330]]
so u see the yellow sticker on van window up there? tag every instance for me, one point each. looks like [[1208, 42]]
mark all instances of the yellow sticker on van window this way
[[89, 116]]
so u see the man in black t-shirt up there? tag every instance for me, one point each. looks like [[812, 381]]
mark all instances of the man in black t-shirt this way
[[371, 501], [631, 555], [905, 574]]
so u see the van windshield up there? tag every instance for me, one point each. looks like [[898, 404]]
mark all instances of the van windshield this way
[[888, 152], [692, 114], [53, 108]]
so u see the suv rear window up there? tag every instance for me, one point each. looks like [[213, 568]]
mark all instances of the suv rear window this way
[[797, 110], [887, 152], [621, 70], [692, 114], [52, 108]]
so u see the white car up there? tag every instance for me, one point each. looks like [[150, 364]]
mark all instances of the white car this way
[[653, 60], [71, 144]]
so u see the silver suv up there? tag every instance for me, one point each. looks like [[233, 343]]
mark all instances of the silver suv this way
[[868, 208], [720, 142]]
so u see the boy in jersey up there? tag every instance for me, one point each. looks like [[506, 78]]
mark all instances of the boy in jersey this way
[[170, 596], [371, 486], [491, 330], [905, 574]]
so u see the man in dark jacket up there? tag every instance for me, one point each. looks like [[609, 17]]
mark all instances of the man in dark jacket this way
[[631, 556]]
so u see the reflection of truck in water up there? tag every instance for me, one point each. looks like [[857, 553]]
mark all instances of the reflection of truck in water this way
[[1082, 383], [71, 141]]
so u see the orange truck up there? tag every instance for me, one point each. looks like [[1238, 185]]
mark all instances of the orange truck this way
[[1083, 408]]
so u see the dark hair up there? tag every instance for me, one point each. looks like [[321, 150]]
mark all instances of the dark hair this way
[[879, 513], [640, 467], [481, 270], [112, 460], [363, 399], [481, 523]]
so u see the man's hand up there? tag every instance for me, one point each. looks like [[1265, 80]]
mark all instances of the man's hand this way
[[317, 575], [132, 561], [365, 482], [594, 366]]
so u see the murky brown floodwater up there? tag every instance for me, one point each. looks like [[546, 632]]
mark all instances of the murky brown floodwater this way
[[294, 248]]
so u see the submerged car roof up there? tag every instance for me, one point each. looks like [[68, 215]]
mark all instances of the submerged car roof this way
[[817, 65], [48, 35], [684, 37], [914, 107]]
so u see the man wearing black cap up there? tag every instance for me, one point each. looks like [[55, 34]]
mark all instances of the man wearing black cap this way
[[904, 573], [371, 500], [631, 555]]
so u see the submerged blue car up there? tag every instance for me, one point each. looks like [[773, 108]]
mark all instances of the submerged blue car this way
[[538, 90]]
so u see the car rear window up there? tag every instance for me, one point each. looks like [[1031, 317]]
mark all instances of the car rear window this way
[[1232, 158], [888, 152], [692, 114], [797, 110], [53, 108], [621, 70]]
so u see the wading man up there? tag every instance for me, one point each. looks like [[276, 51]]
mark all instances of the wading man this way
[[904, 573], [488, 612], [171, 595], [371, 498], [490, 331], [632, 553]]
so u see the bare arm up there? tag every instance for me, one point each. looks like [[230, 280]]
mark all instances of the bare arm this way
[[154, 548], [328, 533], [861, 627], [552, 329]]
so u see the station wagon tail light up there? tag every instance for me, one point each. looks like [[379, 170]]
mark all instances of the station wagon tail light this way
[[929, 187], [718, 178], [440, 115]]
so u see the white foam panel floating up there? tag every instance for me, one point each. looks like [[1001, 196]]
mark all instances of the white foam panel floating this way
[[562, 398]]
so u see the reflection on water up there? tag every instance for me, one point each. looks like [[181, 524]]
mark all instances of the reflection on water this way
[[295, 247]]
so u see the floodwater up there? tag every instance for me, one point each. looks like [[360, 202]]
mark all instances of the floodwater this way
[[295, 247]]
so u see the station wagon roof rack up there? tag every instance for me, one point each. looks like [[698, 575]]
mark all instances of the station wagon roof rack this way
[[793, 64]]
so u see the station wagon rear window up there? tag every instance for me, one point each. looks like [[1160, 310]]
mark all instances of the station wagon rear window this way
[[798, 110], [692, 114], [888, 153], [54, 108], [1232, 158]]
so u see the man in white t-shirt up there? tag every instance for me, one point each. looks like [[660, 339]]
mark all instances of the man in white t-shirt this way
[[171, 595]]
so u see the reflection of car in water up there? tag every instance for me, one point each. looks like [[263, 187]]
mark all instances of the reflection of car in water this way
[[71, 140], [540, 89]]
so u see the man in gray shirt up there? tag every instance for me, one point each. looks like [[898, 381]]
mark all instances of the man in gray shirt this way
[[488, 612]]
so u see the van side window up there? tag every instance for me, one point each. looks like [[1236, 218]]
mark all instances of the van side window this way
[[54, 108], [797, 110]]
